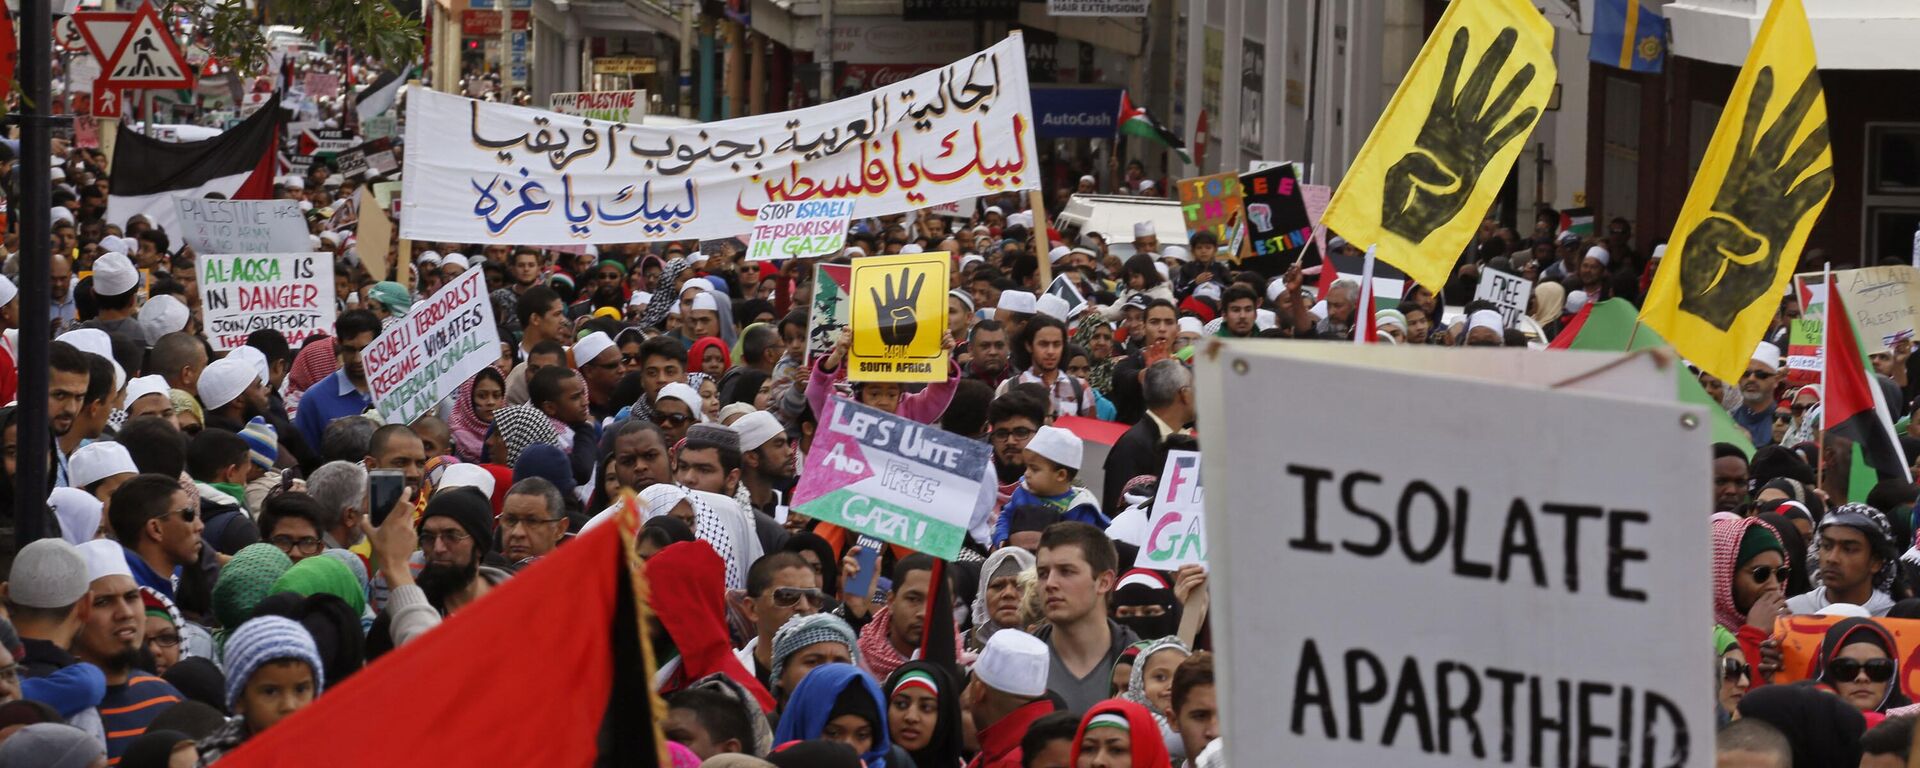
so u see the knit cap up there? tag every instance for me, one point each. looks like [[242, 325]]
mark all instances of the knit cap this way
[[266, 639], [263, 443], [1758, 539], [802, 631], [246, 580], [322, 576]]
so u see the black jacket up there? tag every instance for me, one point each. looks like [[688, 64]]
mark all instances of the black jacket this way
[[1139, 451]]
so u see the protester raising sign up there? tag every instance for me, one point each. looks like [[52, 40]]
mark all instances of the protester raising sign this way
[[799, 230], [531, 177], [1449, 575], [438, 344], [830, 310], [899, 318], [1508, 291], [1177, 532], [1278, 229], [242, 226], [288, 292], [892, 478]]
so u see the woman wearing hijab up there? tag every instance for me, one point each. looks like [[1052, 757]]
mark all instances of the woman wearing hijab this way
[[78, 513], [839, 702], [1549, 303], [523, 425], [1859, 659], [997, 604], [1119, 734], [1823, 731], [1144, 602], [1749, 579], [474, 405], [1150, 684], [708, 355], [923, 714], [1731, 670]]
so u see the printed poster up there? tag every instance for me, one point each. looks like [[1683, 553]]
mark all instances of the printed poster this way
[[899, 318]]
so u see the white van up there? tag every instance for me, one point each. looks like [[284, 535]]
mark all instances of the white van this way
[[1113, 216]]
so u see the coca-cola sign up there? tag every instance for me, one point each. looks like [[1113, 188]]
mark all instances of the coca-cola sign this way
[[866, 77]]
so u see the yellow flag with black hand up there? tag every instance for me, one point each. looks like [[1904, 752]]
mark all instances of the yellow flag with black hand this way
[[1762, 184], [1448, 139]]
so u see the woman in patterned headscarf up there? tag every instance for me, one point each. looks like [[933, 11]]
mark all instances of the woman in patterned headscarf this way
[[523, 425], [1099, 367]]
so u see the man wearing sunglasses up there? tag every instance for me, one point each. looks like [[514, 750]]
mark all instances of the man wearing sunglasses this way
[[159, 525], [780, 586], [1758, 399]]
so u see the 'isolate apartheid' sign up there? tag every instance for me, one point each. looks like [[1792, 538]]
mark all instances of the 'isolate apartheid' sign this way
[[245, 292], [1382, 604]]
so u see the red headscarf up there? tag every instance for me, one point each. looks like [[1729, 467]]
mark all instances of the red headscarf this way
[[696, 354], [1149, 751], [687, 590], [316, 361]]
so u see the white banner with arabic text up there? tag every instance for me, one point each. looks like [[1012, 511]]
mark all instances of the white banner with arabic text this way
[[531, 177]]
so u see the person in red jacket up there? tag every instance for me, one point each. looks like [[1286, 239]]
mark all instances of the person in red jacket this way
[[1117, 733], [1007, 694], [1749, 579]]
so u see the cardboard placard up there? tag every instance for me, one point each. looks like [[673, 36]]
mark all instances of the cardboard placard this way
[[830, 310], [899, 318], [1177, 533], [242, 226], [441, 342], [799, 230], [1278, 227], [1212, 204], [1806, 355], [612, 106], [1509, 291], [1392, 536], [245, 292], [1884, 302], [892, 478]]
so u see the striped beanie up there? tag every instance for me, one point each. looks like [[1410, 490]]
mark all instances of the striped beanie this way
[[267, 639], [263, 444], [802, 631]]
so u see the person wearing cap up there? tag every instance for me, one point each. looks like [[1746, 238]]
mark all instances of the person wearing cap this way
[[46, 601], [147, 396], [1855, 562], [766, 461], [111, 639], [231, 393], [1593, 275], [959, 312], [1759, 396], [1052, 459], [1146, 238], [805, 642], [456, 533], [274, 669], [1486, 328], [1013, 309], [100, 468], [344, 392], [598, 360], [115, 283], [1006, 694]]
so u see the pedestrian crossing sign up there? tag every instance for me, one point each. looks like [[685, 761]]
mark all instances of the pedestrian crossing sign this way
[[147, 58]]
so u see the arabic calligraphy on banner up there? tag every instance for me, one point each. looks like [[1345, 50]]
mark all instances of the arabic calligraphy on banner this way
[[526, 176]]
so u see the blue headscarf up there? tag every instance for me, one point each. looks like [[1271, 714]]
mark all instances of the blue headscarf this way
[[808, 709]]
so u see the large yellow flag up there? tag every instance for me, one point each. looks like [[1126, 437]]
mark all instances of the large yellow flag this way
[[1763, 182], [1440, 152]]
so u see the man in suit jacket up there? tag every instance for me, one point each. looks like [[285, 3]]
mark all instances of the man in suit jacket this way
[[1167, 391]]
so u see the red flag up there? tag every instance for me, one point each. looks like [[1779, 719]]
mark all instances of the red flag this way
[[1850, 401], [553, 651]]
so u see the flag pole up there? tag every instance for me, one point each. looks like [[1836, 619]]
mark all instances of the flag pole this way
[[1364, 302], [1826, 328]]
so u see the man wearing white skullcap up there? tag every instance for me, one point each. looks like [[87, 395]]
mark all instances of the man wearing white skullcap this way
[[1146, 239], [1758, 399], [231, 393], [1007, 693], [115, 284], [1593, 272], [1486, 328], [147, 396]]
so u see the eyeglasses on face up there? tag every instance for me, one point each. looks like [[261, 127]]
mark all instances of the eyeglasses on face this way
[[306, 545], [450, 538], [515, 521], [1016, 433], [1757, 374]]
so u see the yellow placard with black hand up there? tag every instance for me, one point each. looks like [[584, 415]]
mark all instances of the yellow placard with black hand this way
[[899, 318], [1437, 157], [1762, 184]]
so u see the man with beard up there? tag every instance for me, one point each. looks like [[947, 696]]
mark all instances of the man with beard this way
[[344, 393], [231, 393], [111, 639], [66, 391], [766, 461], [710, 461], [892, 636], [455, 533], [1014, 418], [987, 343]]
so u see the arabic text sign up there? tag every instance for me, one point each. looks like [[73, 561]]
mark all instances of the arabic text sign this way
[[899, 318], [831, 309], [526, 176], [1177, 532], [245, 292], [611, 106], [438, 344], [1511, 292], [1401, 536], [892, 478], [242, 226], [799, 230]]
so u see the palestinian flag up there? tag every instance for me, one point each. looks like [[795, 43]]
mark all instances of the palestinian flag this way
[[1137, 121], [379, 95], [492, 686], [149, 173], [1851, 405]]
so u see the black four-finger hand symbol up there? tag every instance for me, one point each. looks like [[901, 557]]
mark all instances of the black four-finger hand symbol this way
[[1430, 185], [1730, 259], [898, 323]]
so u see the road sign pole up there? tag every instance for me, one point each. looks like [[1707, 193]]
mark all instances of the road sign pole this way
[[30, 519], [147, 111]]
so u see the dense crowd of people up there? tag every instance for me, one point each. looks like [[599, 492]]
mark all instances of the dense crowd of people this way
[[220, 561]]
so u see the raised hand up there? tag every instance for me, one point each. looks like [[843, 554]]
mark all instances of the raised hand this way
[[898, 323], [1430, 185], [1730, 258]]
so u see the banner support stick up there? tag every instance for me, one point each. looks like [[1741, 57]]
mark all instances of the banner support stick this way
[[1040, 244]]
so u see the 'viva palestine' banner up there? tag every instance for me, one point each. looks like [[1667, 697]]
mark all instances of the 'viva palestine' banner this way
[[528, 176]]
